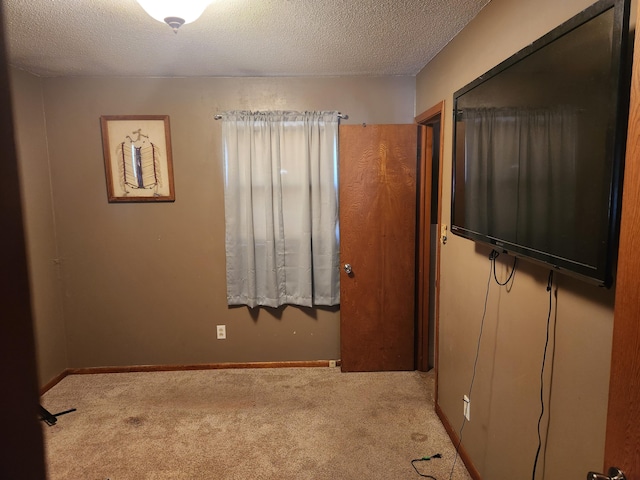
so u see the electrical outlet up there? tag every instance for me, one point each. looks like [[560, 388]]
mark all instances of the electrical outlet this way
[[332, 363], [466, 408], [221, 331]]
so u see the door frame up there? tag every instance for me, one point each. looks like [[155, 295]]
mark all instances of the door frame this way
[[435, 114], [623, 429]]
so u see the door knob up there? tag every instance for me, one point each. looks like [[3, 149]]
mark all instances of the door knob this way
[[347, 268], [613, 474]]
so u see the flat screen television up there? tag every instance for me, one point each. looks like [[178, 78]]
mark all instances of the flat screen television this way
[[539, 147]]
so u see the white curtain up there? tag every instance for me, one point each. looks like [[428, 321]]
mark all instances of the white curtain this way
[[281, 208], [522, 184]]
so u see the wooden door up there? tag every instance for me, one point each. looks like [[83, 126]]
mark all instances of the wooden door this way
[[622, 448], [378, 240]]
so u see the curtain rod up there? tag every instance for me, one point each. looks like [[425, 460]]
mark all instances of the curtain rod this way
[[340, 115]]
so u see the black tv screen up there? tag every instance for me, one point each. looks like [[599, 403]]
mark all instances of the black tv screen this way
[[539, 146]]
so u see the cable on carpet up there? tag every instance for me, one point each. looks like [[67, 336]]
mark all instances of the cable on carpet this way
[[424, 459]]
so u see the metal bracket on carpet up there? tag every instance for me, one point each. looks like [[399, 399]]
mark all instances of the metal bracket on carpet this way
[[51, 418]]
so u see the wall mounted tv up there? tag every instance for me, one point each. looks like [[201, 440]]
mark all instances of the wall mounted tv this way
[[539, 147]]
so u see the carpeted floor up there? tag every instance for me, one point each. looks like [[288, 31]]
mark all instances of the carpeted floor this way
[[284, 423]]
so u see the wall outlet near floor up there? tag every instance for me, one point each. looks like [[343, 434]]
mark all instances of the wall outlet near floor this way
[[332, 363], [221, 332], [466, 408]]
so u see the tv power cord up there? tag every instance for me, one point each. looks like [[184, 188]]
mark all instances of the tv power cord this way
[[424, 459]]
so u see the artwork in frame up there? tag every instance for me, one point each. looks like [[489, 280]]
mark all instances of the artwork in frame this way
[[137, 158]]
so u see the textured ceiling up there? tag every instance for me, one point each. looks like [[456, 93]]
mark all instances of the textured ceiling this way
[[233, 37]]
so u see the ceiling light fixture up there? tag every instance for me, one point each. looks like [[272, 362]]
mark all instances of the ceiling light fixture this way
[[174, 13]]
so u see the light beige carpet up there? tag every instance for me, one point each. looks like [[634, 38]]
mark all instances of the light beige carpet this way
[[285, 423]]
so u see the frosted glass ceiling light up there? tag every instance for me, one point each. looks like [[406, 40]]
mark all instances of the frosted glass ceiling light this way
[[174, 13]]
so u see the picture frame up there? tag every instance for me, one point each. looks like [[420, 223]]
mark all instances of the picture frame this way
[[137, 158]]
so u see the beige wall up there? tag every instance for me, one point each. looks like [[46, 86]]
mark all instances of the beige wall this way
[[501, 437], [31, 144], [145, 283]]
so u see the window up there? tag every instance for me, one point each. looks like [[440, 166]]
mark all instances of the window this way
[[281, 208]]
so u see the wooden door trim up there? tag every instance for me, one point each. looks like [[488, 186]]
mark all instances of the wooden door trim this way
[[423, 252], [623, 432], [430, 114], [425, 118]]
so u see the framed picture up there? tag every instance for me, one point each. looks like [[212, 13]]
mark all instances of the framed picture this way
[[137, 158]]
